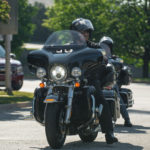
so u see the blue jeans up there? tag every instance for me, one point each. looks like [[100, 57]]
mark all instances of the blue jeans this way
[[123, 109]]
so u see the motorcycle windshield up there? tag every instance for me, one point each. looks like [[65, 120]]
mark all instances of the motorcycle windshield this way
[[66, 39]]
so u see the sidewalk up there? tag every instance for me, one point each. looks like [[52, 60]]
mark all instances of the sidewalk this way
[[33, 46], [16, 105]]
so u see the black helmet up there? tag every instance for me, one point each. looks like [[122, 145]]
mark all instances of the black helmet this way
[[107, 40], [82, 24]]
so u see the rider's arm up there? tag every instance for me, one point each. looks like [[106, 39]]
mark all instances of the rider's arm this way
[[93, 44]]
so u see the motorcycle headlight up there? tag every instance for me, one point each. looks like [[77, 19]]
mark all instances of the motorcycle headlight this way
[[58, 73], [41, 72], [76, 72]]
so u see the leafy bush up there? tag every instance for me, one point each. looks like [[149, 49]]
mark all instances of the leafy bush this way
[[25, 26], [4, 11]]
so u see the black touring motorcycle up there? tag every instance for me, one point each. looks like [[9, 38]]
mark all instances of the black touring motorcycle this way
[[124, 77], [65, 102]]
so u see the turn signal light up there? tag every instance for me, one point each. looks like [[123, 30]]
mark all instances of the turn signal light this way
[[50, 100], [77, 84], [42, 85]]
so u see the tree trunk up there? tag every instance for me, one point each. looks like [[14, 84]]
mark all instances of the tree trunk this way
[[146, 63]]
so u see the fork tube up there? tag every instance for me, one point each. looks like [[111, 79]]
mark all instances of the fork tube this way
[[93, 106], [50, 90], [69, 104]]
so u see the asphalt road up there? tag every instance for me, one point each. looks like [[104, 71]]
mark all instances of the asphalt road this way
[[17, 133]]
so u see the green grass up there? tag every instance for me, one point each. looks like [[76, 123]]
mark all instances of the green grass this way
[[141, 80], [15, 98]]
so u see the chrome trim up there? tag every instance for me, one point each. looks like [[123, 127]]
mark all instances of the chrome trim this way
[[69, 104], [50, 90], [100, 109], [110, 99], [93, 107]]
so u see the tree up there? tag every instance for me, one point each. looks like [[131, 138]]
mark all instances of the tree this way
[[4, 11], [126, 21], [131, 31], [64, 12], [25, 26], [41, 33]]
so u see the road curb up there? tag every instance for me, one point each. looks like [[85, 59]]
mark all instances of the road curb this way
[[16, 105]]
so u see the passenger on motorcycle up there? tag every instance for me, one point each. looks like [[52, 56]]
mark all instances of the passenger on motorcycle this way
[[107, 44], [85, 27]]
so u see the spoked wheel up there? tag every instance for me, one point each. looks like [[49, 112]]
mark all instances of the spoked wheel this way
[[54, 125], [88, 136]]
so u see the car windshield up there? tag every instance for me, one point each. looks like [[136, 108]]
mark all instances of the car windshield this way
[[2, 52], [64, 39]]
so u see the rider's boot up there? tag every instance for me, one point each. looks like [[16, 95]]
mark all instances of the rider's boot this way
[[110, 138], [127, 123]]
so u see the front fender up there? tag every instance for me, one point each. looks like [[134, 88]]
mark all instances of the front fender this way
[[53, 98]]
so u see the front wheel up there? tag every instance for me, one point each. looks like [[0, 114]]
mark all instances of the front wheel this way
[[88, 136], [54, 125]]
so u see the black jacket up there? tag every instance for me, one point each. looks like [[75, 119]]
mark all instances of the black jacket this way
[[97, 45]]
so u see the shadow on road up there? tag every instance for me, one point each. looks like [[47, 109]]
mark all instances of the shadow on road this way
[[13, 114], [79, 145], [139, 111], [135, 129]]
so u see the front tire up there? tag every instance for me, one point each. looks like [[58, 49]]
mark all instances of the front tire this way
[[88, 136], [54, 125]]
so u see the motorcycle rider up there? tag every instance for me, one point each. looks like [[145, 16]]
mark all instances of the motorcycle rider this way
[[85, 27], [107, 44]]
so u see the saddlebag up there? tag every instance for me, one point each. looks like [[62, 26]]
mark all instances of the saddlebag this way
[[126, 95], [124, 77], [110, 97], [114, 103]]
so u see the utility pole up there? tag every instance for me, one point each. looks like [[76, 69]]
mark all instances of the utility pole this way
[[8, 29], [8, 65]]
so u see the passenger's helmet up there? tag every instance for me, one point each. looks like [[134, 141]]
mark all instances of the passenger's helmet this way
[[107, 40], [82, 24]]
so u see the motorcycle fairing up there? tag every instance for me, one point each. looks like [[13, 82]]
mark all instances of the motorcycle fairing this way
[[86, 59], [67, 48]]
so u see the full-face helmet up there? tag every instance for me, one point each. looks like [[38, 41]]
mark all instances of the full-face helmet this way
[[107, 40], [81, 24]]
